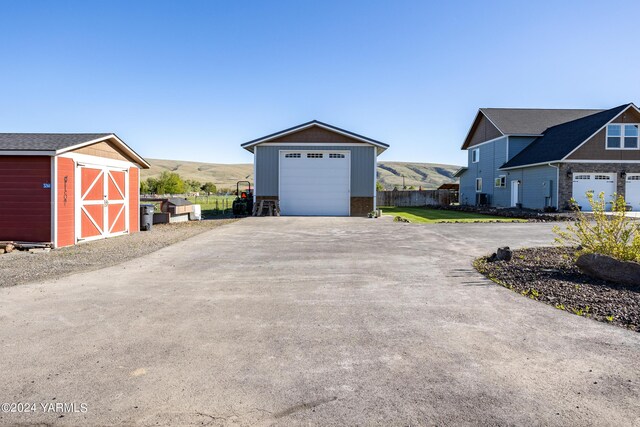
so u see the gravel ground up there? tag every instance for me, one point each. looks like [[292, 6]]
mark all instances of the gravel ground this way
[[549, 275], [22, 267]]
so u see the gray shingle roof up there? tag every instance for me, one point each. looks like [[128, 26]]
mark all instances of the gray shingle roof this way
[[558, 141], [45, 141], [531, 121]]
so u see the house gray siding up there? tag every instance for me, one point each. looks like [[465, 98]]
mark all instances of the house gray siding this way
[[492, 156], [517, 144], [538, 187], [363, 163]]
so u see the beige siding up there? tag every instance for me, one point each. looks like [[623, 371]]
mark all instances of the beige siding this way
[[483, 130], [315, 134], [104, 149], [595, 148]]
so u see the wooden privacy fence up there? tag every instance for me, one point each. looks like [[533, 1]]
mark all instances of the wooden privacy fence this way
[[407, 198]]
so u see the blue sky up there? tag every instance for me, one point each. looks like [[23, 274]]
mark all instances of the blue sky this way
[[191, 80]]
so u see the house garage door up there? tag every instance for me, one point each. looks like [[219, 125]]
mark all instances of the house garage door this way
[[632, 190], [315, 183], [595, 183]]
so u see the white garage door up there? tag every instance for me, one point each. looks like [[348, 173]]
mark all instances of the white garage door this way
[[315, 183], [632, 191], [596, 183]]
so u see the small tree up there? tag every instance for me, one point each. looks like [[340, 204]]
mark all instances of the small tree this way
[[144, 187], [171, 183], [613, 234], [208, 187], [192, 185], [379, 186]]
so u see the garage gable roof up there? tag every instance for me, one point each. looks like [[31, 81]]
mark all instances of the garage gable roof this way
[[250, 144], [52, 144]]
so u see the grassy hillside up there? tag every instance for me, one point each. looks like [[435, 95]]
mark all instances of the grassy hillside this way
[[427, 175]]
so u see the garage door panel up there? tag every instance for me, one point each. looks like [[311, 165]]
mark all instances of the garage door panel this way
[[314, 186], [595, 183], [632, 191]]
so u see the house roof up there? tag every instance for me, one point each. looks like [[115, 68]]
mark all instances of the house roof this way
[[559, 141], [250, 144], [52, 144], [531, 121], [460, 172]]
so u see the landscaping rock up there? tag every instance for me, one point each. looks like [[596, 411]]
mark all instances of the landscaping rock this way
[[608, 268], [504, 254], [550, 275]]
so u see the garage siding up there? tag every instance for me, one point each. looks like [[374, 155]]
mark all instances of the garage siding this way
[[66, 208], [362, 167], [26, 205], [134, 200]]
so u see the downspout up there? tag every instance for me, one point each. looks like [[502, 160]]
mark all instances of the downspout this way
[[557, 168]]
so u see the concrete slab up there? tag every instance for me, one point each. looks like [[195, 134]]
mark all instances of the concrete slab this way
[[315, 321]]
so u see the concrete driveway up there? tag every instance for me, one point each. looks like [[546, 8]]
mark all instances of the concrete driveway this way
[[319, 321]]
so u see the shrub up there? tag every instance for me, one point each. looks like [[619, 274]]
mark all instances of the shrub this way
[[613, 234]]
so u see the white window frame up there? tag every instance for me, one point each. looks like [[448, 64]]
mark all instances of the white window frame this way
[[475, 152], [501, 181], [622, 137], [478, 187]]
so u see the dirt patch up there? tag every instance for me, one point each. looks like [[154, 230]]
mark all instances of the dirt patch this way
[[23, 267], [549, 275]]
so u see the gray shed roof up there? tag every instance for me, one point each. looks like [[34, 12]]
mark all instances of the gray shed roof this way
[[531, 121], [51, 144], [45, 141]]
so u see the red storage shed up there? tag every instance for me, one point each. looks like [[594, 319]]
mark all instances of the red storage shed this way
[[67, 188]]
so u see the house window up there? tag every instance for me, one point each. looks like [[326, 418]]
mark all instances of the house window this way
[[475, 155], [292, 155], [622, 137], [501, 181], [314, 155], [478, 185]]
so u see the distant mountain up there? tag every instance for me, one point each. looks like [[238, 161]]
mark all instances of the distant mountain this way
[[425, 175]]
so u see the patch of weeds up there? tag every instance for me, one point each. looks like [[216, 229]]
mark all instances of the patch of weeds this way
[[609, 318], [560, 306], [581, 311], [531, 293]]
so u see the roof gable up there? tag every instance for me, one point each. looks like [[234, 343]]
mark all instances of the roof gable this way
[[523, 121], [53, 144], [481, 130], [315, 132], [559, 141]]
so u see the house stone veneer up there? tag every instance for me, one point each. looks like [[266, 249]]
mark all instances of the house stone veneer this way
[[566, 182]]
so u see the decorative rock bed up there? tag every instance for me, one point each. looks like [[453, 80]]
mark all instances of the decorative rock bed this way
[[528, 214], [550, 275]]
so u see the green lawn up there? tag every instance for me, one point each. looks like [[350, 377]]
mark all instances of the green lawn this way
[[213, 205], [426, 215]]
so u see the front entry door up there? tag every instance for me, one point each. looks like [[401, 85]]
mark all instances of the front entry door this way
[[515, 193], [103, 206]]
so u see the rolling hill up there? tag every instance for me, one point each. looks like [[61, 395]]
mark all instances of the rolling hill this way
[[425, 175]]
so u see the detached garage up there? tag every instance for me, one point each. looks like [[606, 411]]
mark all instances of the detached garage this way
[[63, 189], [316, 169]]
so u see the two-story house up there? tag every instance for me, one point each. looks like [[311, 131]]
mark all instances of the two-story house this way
[[539, 158]]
